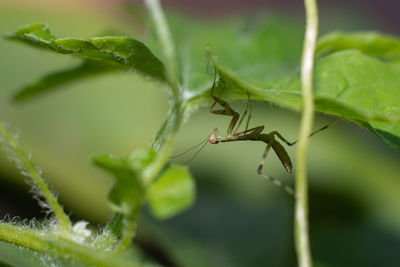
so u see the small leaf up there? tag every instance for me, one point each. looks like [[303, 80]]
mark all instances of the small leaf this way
[[127, 193], [172, 193], [38, 31], [139, 160]]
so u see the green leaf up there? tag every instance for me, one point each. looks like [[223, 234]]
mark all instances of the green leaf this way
[[127, 193], [141, 159], [172, 193], [252, 47], [23, 257], [61, 78], [383, 47], [365, 85], [18, 256], [109, 52], [357, 77], [348, 84]]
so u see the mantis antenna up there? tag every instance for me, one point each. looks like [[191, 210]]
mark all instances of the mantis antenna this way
[[198, 151], [190, 149]]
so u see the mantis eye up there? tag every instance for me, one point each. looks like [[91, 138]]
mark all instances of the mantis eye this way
[[212, 138]]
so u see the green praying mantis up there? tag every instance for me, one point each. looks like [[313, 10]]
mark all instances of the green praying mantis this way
[[252, 134]]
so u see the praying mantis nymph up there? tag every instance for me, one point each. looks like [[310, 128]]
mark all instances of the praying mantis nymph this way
[[253, 134]]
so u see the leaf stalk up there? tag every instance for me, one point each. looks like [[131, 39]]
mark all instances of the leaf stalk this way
[[164, 139], [167, 43]]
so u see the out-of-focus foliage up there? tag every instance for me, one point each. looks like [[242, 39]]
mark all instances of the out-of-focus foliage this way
[[172, 192], [13, 255], [381, 46], [127, 192]]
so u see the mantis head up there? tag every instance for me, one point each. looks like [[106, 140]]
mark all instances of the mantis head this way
[[212, 138]]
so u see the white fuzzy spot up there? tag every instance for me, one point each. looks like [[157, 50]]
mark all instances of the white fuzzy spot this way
[[80, 231]]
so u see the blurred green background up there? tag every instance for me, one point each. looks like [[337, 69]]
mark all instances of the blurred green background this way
[[238, 219]]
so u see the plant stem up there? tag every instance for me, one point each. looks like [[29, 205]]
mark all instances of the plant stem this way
[[31, 171], [167, 43], [128, 228], [164, 139], [301, 207], [57, 247], [22, 236]]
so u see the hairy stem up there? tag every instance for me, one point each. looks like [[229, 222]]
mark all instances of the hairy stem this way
[[128, 228], [30, 170], [57, 247], [25, 237], [302, 241]]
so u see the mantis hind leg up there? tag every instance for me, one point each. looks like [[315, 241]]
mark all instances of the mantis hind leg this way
[[277, 182], [256, 131], [315, 132]]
